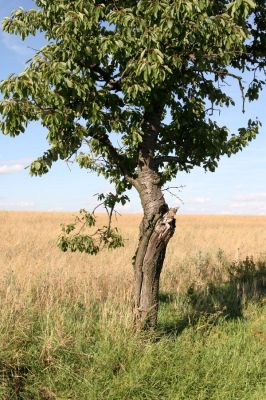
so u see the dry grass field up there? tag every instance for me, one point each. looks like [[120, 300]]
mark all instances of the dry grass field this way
[[28, 252], [65, 319]]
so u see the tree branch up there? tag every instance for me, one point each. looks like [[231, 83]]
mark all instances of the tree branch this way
[[223, 74], [114, 156], [239, 79], [170, 159], [109, 80]]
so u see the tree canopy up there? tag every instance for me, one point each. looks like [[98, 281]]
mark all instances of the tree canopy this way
[[108, 65]]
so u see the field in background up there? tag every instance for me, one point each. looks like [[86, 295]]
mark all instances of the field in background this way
[[28, 250], [65, 319]]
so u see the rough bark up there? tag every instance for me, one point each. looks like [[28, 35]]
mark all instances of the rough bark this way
[[148, 263], [156, 228]]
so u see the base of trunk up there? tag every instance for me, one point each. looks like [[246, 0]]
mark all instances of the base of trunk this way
[[148, 264]]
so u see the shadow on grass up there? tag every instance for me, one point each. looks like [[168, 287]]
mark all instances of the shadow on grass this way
[[246, 282]]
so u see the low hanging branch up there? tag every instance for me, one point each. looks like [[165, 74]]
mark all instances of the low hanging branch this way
[[77, 236]]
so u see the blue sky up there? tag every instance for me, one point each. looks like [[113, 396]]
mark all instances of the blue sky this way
[[237, 187]]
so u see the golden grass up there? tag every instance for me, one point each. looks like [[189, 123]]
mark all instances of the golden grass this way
[[66, 319], [29, 256]]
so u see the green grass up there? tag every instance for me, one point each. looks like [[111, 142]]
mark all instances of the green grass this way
[[69, 351]]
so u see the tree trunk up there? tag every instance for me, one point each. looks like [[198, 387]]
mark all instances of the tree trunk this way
[[148, 265], [156, 229], [157, 226]]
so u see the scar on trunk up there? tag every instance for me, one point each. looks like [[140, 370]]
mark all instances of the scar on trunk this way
[[148, 268]]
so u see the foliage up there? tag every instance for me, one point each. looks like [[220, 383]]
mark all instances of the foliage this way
[[73, 237], [107, 66]]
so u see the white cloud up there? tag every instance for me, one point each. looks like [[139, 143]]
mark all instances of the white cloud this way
[[252, 203], [25, 204], [11, 168], [199, 200], [251, 197], [11, 43], [16, 205], [247, 209]]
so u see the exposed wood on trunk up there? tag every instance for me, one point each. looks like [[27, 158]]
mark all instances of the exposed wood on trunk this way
[[148, 265], [157, 226]]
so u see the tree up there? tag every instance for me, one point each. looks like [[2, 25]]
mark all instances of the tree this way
[[148, 75]]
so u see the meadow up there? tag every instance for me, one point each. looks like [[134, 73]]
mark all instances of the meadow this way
[[66, 319]]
